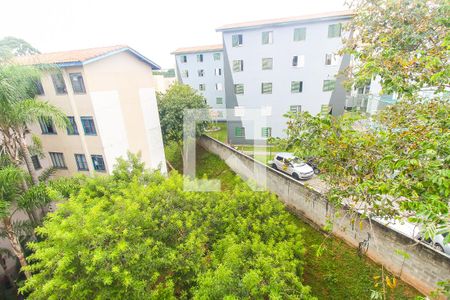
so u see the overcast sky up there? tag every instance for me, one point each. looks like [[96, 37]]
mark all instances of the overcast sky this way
[[153, 28]]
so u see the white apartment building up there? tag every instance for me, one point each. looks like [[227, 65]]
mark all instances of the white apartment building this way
[[202, 69], [283, 65]]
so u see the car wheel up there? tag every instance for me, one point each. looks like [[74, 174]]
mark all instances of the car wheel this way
[[439, 247], [295, 175], [274, 166]]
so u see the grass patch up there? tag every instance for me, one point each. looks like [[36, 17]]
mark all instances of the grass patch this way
[[220, 135]]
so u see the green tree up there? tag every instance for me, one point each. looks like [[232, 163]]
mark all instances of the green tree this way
[[404, 42], [172, 105], [139, 235], [11, 46]]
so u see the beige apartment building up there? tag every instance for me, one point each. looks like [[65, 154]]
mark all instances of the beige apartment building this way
[[108, 94]]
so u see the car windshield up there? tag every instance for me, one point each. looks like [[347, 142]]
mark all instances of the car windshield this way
[[296, 161]]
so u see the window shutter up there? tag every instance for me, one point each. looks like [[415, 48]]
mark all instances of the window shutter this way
[[296, 86], [267, 63], [239, 88], [266, 88], [329, 85], [237, 66]]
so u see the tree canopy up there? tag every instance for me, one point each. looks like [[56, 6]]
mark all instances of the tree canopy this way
[[136, 235], [404, 42]]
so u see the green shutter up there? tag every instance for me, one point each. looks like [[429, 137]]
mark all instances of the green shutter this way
[[267, 63], [239, 89], [266, 88], [334, 30], [296, 86], [265, 37], [299, 34], [295, 108], [239, 132], [219, 100], [238, 65], [325, 109], [266, 132], [329, 85], [217, 56]]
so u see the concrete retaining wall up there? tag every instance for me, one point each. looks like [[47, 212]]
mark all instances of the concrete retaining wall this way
[[422, 269]]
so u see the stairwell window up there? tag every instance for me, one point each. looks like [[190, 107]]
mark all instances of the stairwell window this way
[[88, 125], [200, 73], [185, 73], [239, 89], [296, 86], [267, 37], [218, 71], [237, 40], [219, 86], [72, 128], [266, 88], [47, 126], [334, 30], [199, 57], [81, 162], [239, 132], [238, 65], [298, 61], [331, 59], [76, 79], [183, 58], [57, 159], [328, 85], [59, 84], [299, 34], [201, 87], [267, 63], [98, 162]]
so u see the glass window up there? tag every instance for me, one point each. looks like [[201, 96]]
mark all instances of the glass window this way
[[218, 71], [237, 40], [295, 108], [329, 85], [47, 126], [239, 89], [334, 30], [58, 160], [219, 100], [331, 59], [200, 73], [267, 63], [39, 87], [238, 65], [81, 162], [239, 132], [216, 56], [219, 86], [99, 164], [299, 34], [298, 61], [296, 86], [88, 125], [36, 162], [201, 87], [266, 132], [199, 57], [77, 83], [267, 37], [185, 73], [72, 128], [266, 88], [59, 84], [183, 58]]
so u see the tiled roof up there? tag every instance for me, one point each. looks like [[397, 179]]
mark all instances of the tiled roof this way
[[207, 48], [79, 57], [260, 23]]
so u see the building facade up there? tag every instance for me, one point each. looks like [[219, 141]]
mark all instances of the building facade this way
[[108, 95], [283, 65], [202, 69]]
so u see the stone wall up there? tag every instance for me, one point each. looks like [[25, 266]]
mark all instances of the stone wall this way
[[423, 267]]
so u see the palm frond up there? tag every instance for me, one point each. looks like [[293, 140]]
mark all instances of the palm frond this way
[[47, 173]]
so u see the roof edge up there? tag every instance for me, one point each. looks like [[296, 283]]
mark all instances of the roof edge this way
[[197, 49]]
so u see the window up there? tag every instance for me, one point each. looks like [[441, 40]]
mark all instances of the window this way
[[201, 87], [199, 57], [238, 65], [47, 126], [237, 40], [183, 58], [81, 162], [216, 56], [239, 132], [298, 61], [279, 158], [77, 83], [331, 59], [218, 71], [267, 63], [299, 34], [219, 100], [185, 73], [295, 108], [219, 86], [239, 89], [334, 30], [266, 88], [99, 164], [39, 87], [267, 37], [36, 162], [58, 160], [296, 86], [59, 84], [88, 126], [329, 85], [266, 132], [72, 128], [200, 73]]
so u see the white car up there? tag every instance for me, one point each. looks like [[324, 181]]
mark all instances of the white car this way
[[292, 165], [437, 242]]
